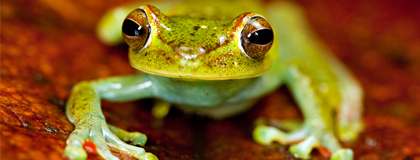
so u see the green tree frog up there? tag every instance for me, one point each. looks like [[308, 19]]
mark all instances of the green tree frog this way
[[217, 58]]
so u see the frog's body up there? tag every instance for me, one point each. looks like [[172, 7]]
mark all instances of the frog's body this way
[[202, 61], [207, 98]]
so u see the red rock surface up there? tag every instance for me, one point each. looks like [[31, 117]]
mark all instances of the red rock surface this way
[[47, 46]]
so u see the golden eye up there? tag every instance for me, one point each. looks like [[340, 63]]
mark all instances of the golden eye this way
[[257, 37], [136, 29]]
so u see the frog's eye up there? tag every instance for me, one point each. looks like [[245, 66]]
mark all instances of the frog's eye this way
[[136, 29], [257, 37]]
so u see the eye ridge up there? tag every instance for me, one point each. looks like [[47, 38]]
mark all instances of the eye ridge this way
[[261, 37], [131, 28]]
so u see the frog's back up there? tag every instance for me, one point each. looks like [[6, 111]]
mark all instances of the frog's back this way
[[219, 9]]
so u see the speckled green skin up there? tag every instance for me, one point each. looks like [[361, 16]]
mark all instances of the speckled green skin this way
[[197, 48], [200, 73]]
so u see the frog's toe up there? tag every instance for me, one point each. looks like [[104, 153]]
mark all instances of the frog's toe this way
[[266, 134], [134, 151], [288, 125], [98, 136], [149, 156], [309, 138], [74, 148], [102, 148], [342, 154], [79, 138], [75, 151], [136, 138], [304, 148]]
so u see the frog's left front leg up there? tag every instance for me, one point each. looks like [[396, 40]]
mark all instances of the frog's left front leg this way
[[317, 100], [84, 111]]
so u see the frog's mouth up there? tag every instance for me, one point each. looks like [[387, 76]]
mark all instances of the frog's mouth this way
[[197, 76], [201, 68]]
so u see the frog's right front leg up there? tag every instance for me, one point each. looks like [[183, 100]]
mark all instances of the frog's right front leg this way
[[84, 111]]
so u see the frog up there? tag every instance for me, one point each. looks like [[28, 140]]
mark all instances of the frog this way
[[218, 59]]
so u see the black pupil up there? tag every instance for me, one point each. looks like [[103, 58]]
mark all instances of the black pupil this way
[[261, 37], [131, 28]]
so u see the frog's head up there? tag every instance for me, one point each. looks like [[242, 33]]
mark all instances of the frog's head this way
[[198, 48]]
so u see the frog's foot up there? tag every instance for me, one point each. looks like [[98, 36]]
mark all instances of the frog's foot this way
[[94, 129], [308, 138]]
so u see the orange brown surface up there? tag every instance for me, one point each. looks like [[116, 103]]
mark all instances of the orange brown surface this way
[[47, 46]]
